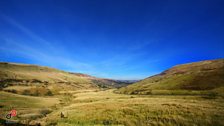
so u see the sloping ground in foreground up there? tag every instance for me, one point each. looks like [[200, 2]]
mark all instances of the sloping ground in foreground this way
[[107, 108], [27, 107]]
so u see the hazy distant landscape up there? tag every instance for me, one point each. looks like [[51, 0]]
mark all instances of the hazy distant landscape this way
[[189, 94]]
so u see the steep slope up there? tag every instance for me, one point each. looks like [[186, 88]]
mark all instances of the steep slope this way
[[204, 75]]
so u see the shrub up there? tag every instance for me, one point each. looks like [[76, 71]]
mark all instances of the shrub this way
[[13, 91], [212, 95], [49, 93], [45, 111], [26, 92]]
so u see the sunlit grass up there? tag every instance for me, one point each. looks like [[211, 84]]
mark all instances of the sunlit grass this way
[[107, 108], [27, 107]]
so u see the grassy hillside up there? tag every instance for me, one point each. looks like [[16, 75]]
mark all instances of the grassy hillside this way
[[194, 77], [28, 107], [38, 80]]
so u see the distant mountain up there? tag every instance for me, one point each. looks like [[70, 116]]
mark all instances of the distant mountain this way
[[128, 81], [106, 83], [204, 75], [111, 83], [14, 74]]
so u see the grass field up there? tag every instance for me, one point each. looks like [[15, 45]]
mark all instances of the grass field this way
[[108, 108], [28, 107], [104, 107]]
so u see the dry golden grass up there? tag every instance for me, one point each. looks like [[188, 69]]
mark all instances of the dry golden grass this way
[[107, 108], [95, 107], [186, 79], [28, 107], [29, 75]]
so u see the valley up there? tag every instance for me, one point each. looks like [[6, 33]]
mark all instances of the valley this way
[[189, 94], [111, 62]]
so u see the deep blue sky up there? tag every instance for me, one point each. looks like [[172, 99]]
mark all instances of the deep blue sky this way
[[121, 39]]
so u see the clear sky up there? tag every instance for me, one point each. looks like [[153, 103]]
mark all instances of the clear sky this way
[[120, 39]]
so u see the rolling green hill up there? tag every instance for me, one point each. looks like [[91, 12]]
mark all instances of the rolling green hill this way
[[197, 76], [40, 80]]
